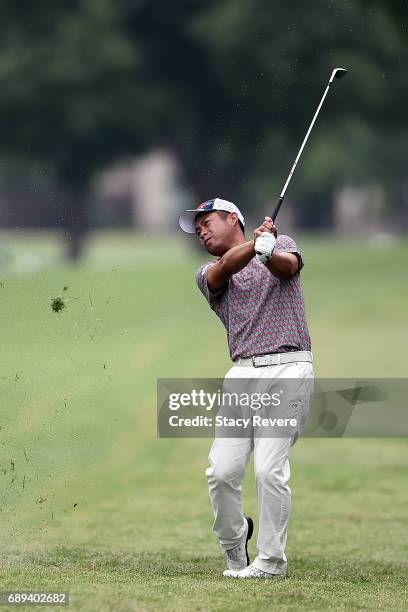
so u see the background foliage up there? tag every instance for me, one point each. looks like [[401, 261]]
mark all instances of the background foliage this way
[[229, 85]]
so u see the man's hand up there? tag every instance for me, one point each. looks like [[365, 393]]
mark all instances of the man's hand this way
[[267, 226], [264, 240], [264, 246]]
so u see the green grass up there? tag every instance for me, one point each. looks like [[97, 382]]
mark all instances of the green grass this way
[[92, 502]]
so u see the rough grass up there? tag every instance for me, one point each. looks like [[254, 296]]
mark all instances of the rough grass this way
[[93, 503]]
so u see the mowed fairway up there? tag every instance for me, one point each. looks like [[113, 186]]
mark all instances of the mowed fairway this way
[[93, 503]]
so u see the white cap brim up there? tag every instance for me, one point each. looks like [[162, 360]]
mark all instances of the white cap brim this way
[[187, 221]]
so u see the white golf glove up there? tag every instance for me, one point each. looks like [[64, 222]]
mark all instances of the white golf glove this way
[[264, 246]]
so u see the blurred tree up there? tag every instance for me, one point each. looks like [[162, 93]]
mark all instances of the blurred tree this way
[[272, 65], [230, 85], [69, 97]]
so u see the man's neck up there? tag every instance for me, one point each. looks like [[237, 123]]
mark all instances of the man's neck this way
[[236, 240]]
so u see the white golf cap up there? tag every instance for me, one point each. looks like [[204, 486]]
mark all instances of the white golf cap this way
[[188, 217]]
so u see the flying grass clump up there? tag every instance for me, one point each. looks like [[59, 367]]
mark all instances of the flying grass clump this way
[[57, 304]]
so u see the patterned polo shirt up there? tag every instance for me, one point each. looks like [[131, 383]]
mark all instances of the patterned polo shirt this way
[[261, 312]]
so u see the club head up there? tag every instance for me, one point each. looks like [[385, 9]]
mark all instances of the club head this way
[[339, 73]]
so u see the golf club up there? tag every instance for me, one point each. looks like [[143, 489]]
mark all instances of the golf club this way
[[337, 73]]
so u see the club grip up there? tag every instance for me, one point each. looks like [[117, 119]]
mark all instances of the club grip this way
[[277, 208]]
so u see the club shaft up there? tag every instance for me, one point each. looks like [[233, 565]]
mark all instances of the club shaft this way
[[282, 195]]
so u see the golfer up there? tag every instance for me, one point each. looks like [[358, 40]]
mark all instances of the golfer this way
[[254, 287]]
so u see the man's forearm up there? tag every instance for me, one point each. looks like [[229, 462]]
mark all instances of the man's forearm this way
[[230, 263], [238, 257], [283, 264]]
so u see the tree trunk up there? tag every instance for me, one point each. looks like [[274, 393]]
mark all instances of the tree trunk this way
[[74, 221]]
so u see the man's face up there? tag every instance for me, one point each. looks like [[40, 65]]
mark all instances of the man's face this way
[[214, 232]]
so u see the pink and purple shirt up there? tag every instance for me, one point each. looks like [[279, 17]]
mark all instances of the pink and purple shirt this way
[[261, 312]]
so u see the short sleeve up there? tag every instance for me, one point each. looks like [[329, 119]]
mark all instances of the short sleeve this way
[[285, 244], [202, 282]]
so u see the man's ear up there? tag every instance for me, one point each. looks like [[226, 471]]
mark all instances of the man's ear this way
[[234, 218]]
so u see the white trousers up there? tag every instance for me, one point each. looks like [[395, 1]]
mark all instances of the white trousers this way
[[228, 461]]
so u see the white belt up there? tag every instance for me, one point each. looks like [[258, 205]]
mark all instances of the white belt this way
[[259, 361]]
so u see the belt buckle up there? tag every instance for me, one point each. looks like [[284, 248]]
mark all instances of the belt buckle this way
[[263, 361], [253, 361]]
